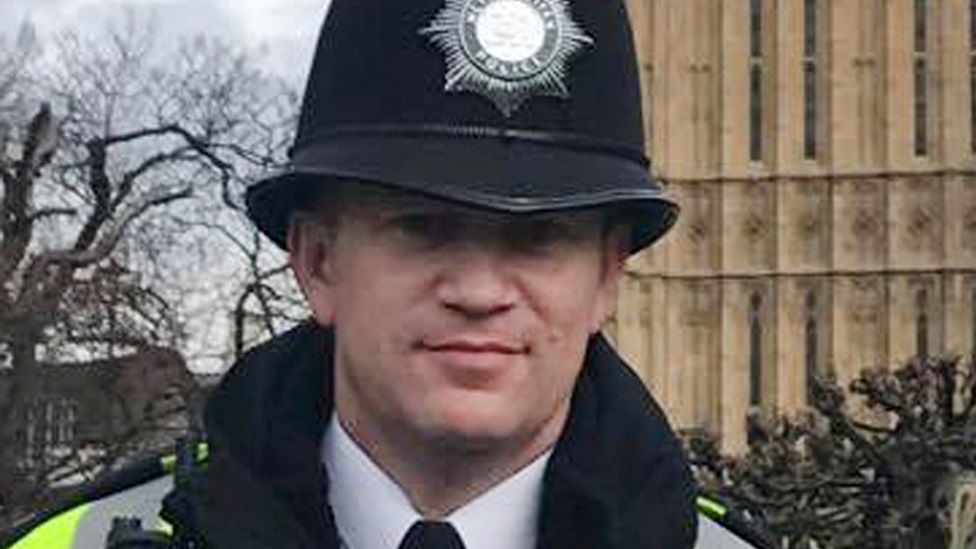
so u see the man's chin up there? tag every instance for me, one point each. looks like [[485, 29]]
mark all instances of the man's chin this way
[[474, 436]]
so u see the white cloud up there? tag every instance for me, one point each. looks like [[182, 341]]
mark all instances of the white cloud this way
[[288, 28], [285, 29]]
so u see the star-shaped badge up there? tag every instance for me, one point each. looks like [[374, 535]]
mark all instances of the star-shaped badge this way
[[507, 50]]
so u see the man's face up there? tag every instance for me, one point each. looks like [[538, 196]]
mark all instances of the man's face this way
[[456, 325]]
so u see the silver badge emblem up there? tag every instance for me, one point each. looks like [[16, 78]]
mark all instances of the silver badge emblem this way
[[507, 50]]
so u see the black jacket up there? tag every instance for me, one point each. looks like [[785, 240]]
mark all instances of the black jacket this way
[[617, 478]]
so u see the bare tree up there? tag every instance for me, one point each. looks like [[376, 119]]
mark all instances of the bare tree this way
[[879, 476], [122, 168]]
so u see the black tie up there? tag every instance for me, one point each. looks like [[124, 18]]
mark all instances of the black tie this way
[[431, 535]]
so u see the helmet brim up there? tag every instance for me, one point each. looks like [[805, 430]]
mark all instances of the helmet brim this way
[[510, 176]]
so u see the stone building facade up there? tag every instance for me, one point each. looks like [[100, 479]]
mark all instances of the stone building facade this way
[[131, 399], [824, 155]]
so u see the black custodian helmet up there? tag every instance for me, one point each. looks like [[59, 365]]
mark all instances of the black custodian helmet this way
[[511, 105]]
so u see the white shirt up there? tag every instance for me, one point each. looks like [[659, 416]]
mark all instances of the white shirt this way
[[372, 512]]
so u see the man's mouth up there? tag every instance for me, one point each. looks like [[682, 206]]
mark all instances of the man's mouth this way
[[475, 362], [474, 346]]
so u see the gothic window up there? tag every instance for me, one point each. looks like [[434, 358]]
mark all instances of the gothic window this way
[[810, 79], [972, 98], [972, 25], [65, 419], [49, 421], [921, 78], [30, 435], [922, 324], [755, 113], [755, 28], [973, 327], [755, 80], [755, 351], [809, 28], [921, 107], [972, 74], [921, 26], [811, 341], [46, 424]]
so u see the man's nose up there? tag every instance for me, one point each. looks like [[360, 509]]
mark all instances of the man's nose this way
[[477, 284]]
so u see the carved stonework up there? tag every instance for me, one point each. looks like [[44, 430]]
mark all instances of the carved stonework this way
[[866, 301], [754, 227], [700, 307], [808, 226], [854, 227], [865, 225], [697, 230], [865, 188], [860, 221], [969, 229], [646, 304], [806, 209], [699, 218], [920, 218], [919, 224]]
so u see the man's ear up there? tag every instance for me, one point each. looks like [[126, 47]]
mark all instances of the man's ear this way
[[616, 249], [311, 256]]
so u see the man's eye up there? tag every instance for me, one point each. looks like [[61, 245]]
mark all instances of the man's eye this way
[[424, 230], [541, 236]]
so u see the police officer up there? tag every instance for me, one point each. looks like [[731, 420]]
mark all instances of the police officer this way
[[467, 181]]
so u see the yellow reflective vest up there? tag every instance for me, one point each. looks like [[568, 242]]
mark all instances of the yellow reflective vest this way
[[87, 525], [134, 492]]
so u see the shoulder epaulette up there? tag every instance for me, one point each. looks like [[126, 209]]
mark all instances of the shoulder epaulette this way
[[739, 523], [138, 472]]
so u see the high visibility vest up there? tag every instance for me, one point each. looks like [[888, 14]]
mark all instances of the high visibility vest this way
[[719, 526], [87, 524], [134, 492]]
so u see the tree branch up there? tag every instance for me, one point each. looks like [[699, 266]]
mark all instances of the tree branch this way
[[130, 177], [101, 250], [51, 212], [101, 188], [140, 134]]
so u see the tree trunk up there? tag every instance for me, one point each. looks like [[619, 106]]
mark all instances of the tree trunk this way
[[22, 390]]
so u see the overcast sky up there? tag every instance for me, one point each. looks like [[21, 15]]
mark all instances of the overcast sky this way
[[285, 29], [282, 33]]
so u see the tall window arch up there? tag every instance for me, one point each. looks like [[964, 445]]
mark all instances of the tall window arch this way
[[973, 327], [811, 337], [755, 351], [921, 78], [922, 323], [755, 80], [972, 76], [810, 79]]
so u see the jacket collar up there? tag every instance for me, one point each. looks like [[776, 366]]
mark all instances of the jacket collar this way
[[617, 477]]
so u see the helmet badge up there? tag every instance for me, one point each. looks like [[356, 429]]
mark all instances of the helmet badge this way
[[507, 50]]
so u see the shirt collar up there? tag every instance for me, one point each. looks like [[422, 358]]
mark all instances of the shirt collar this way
[[372, 511]]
